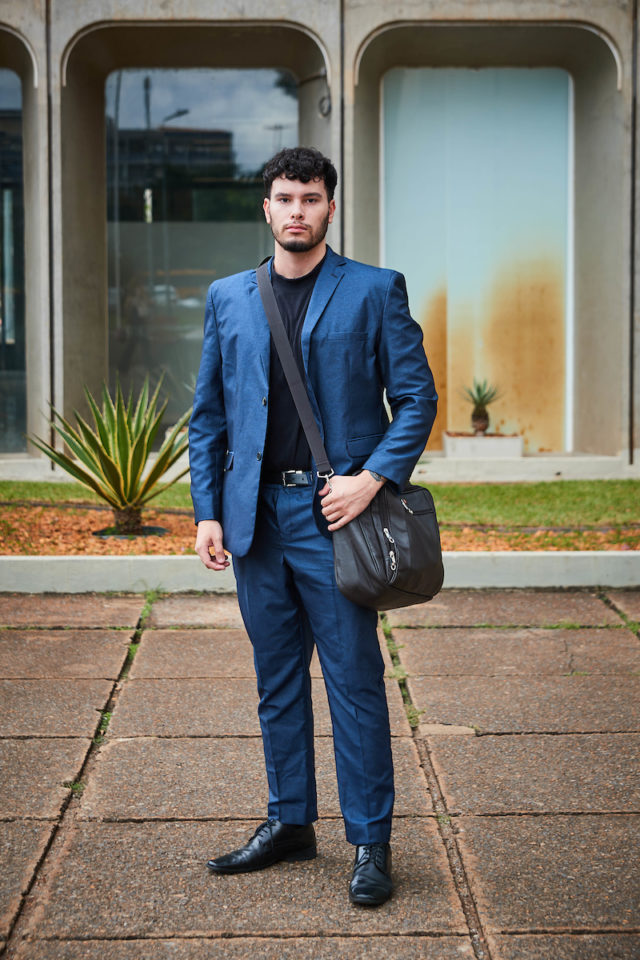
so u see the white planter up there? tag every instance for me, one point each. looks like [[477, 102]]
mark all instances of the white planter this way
[[470, 447]]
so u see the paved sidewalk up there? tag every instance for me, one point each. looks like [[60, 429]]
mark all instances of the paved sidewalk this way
[[517, 831]]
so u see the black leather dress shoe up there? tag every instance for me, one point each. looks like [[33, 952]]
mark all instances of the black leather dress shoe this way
[[272, 841], [371, 881]]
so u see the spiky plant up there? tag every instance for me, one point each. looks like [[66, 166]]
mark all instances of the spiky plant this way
[[480, 395], [111, 459]]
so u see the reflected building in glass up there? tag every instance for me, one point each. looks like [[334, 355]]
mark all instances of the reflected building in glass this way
[[184, 202]]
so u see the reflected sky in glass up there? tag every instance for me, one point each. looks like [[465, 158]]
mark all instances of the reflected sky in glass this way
[[253, 104], [10, 95]]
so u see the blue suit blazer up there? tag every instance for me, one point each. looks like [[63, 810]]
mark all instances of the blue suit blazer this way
[[358, 339]]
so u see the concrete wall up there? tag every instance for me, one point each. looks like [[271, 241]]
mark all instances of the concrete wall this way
[[591, 38], [28, 60]]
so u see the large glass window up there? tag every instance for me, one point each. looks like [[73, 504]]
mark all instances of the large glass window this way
[[185, 150], [475, 203], [13, 402]]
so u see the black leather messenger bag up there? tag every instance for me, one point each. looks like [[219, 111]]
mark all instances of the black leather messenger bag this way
[[389, 555]]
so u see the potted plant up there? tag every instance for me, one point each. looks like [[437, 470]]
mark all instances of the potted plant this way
[[480, 395], [480, 443], [111, 458]]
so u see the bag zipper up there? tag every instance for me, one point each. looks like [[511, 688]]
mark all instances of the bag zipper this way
[[392, 555]]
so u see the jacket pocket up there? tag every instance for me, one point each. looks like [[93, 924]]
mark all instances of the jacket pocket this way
[[228, 461], [363, 446]]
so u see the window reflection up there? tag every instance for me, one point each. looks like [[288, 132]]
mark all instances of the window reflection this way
[[13, 406], [185, 150]]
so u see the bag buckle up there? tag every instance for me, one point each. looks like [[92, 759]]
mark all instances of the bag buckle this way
[[326, 477]]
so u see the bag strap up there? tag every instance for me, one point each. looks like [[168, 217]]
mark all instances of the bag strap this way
[[292, 373]]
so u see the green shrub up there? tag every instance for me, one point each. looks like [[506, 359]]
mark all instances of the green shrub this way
[[111, 459]]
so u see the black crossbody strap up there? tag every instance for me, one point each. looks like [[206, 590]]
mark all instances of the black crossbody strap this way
[[292, 373]]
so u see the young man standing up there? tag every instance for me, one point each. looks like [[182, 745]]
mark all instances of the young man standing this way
[[255, 491]]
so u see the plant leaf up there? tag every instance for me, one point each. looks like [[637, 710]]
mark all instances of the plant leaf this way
[[87, 479]]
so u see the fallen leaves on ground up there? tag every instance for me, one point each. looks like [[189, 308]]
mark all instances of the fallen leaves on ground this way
[[55, 530]]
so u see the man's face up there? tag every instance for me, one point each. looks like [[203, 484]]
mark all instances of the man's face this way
[[298, 213]]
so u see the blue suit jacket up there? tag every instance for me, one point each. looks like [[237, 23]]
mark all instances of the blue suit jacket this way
[[358, 338]]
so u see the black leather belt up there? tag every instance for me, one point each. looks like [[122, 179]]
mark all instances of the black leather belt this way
[[289, 478]]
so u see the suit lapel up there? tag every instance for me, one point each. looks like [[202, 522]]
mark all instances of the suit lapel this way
[[329, 278], [261, 325]]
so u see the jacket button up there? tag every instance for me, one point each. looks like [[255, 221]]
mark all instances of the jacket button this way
[[264, 401], [258, 456]]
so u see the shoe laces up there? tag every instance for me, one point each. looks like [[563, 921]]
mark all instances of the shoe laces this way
[[264, 828], [374, 852]]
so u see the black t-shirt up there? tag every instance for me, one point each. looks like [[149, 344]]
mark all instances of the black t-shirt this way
[[286, 446]]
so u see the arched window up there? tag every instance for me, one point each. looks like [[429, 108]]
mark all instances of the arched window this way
[[13, 406]]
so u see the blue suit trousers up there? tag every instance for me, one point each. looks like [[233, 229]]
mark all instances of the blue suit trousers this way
[[289, 603]]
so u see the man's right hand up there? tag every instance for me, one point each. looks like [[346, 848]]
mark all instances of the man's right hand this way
[[210, 535]]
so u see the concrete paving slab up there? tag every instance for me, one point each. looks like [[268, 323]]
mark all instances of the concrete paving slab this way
[[51, 708], [33, 772], [575, 704], [69, 610], [442, 730], [193, 653], [21, 845], [209, 778], [584, 946], [196, 610], [628, 601], [467, 608], [205, 653], [62, 653], [553, 872], [520, 652], [157, 884], [241, 948], [217, 706], [592, 773]]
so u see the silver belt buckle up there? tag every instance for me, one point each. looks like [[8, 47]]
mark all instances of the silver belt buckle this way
[[292, 473]]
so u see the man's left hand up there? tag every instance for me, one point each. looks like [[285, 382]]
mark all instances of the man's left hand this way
[[347, 497]]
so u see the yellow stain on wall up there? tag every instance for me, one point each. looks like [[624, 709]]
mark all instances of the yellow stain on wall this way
[[515, 339], [524, 351], [434, 326]]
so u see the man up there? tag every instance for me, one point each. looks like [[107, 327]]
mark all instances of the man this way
[[255, 492]]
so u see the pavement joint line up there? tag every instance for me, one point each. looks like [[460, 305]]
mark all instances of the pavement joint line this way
[[469, 908], [563, 931], [627, 621], [542, 733], [510, 626], [537, 733], [546, 813], [61, 826], [36, 627], [457, 676], [249, 935], [246, 819], [456, 864], [65, 677], [31, 818]]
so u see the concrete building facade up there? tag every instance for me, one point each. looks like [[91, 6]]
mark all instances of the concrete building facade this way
[[491, 140]]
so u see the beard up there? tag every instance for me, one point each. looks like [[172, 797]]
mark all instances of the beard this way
[[300, 244]]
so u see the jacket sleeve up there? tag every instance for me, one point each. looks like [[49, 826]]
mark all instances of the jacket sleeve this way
[[411, 393], [207, 426]]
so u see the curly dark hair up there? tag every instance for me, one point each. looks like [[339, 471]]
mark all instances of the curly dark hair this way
[[300, 163]]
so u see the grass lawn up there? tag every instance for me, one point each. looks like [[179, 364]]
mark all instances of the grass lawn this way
[[558, 503]]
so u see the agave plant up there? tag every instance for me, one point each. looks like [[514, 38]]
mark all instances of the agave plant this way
[[480, 395], [111, 459]]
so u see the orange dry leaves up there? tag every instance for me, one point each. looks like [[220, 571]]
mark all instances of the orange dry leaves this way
[[59, 530]]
